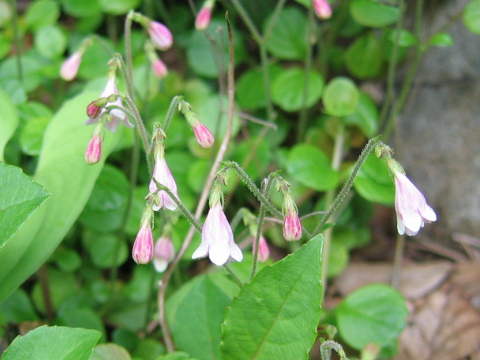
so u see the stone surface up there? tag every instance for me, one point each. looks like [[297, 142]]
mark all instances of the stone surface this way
[[437, 137]]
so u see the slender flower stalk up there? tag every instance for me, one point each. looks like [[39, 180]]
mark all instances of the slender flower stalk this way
[[164, 254], [142, 251], [162, 174]]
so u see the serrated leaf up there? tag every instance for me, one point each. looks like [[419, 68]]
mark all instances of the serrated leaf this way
[[19, 198], [373, 314], [56, 342], [276, 315], [9, 120], [63, 171], [199, 316], [373, 14], [310, 166], [471, 16]]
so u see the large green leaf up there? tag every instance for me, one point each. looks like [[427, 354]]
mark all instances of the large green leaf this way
[[276, 315], [8, 119], [19, 198], [197, 325], [471, 16], [48, 343], [372, 13], [373, 314], [63, 171], [310, 166]]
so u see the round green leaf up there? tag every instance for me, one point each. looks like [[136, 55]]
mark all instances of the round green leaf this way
[[66, 259], [374, 183], [405, 38], [118, 7], [288, 88], [337, 259], [340, 97], [364, 57], [32, 135], [288, 35], [310, 166], [471, 16], [365, 115], [81, 8], [103, 247], [110, 352], [250, 88], [441, 40], [32, 68], [106, 206], [42, 13], [373, 14], [50, 42], [373, 314], [94, 62], [18, 308], [82, 317]]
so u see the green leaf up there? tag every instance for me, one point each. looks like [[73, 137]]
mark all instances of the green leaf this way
[[83, 317], [310, 166], [149, 349], [107, 204], [94, 62], [441, 40], [9, 120], [32, 68], [373, 314], [250, 89], [365, 116], [18, 308], [276, 315], [56, 342], [288, 88], [103, 247], [208, 112], [373, 182], [197, 325], [288, 35], [19, 198], [373, 14], [175, 356], [405, 38], [32, 135], [118, 7], [50, 42], [84, 8], [364, 57], [471, 16], [42, 13], [63, 171], [109, 352], [340, 97]]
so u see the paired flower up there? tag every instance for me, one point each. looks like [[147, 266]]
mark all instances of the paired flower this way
[[142, 251], [263, 250], [162, 174], [160, 35], [217, 236], [70, 67], [164, 254], [410, 205], [322, 9], [117, 115], [292, 227], [204, 15]]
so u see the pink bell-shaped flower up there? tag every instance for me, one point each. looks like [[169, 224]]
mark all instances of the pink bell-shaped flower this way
[[70, 66], [204, 15], [203, 135], [217, 237], [142, 251], [162, 174], [164, 254], [263, 250], [292, 227], [93, 154], [159, 68], [160, 35], [322, 9], [411, 206]]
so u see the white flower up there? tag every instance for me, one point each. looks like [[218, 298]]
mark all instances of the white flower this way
[[162, 174], [164, 254], [411, 206], [217, 238]]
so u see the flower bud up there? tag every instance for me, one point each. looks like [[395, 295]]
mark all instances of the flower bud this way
[[162, 174], [142, 251], [164, 254], [203, 135], [263, 250], [159, 68], [160, 35], [94, 109], [93, 154], [70, 67], [204, 15], [292, 227], [322, 9]]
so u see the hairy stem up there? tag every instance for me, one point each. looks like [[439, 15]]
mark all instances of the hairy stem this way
[[128, 54]]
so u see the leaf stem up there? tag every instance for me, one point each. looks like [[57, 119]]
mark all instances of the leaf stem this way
[[233, 275]]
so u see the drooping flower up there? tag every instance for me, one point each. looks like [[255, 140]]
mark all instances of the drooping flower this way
[[410, 205], [159, 68], [204, 15], [160, 35], [93, 154], [203, 135], [322, 9], [292, 227], [263, 250], [142, 251], [164, 254], [162, 174], [117, 115], [217, 236], [70, 66]]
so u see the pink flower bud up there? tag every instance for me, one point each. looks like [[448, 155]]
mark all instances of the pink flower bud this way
[[263, 250], [162, 174], [203, 135], [411, 206], [292, 227], [217, 238], [93, 110], [142, 251], [159, 68], [93, 154], [322, 9], [203, 17], [160, 35], [70, 66], [164, 254]]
